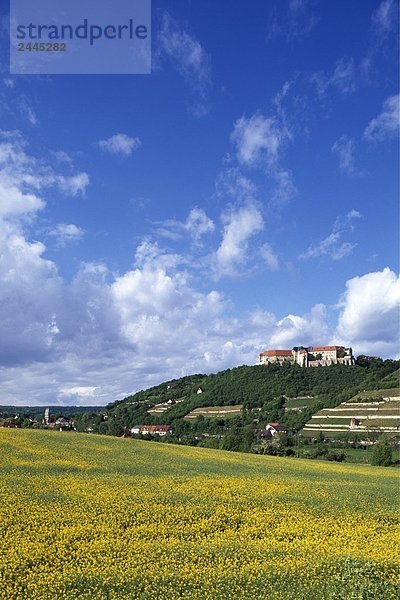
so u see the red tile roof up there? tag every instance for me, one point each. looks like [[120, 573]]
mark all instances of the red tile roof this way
[[276, 353], [319, 348], [155, 428], [277, 426]]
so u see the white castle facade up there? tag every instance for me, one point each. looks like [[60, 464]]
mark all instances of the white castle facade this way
[[309, 356]]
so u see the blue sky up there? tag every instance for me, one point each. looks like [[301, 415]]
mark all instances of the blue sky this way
[[242, 196]]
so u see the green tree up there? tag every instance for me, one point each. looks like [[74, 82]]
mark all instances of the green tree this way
[[382, 453]]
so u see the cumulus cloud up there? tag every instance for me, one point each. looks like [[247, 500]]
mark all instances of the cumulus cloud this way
[[22, 176], [13, 201], [104, 335], [189, 58], [386, 124], [120, 143], [240, 225], [333, 245], [370, 310], [65, 233], [29, 291], [309, 329]]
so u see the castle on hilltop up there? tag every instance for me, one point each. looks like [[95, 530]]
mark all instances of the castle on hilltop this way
[[309, 356]]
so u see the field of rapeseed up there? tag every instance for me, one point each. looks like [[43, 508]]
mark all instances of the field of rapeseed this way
[[95, 517]]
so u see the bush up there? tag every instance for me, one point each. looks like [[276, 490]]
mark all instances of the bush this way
[[336, 456], [382, 453]]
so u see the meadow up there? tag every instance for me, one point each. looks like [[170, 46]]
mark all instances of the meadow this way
[[90, 516]]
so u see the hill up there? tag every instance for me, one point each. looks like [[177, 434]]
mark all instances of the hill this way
[[288, 394], [98, 517]]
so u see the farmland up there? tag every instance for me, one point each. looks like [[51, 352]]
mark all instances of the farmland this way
[[212, 412], [99, 517]]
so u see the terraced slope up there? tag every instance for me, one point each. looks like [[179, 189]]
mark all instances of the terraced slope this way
[[375, 411]]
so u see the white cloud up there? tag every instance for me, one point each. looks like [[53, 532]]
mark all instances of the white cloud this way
[[333, 245], [370, 310], [149, 255], [240, 225], [306, 330], [65, 233], [62, 156], [13, 201], [196, 226], [385, 17], [285, 189], [344, 76], [259, 142], [27, 111], [295, 20], [258, 139], [190, 60], [78, 391], [269, 257], [22, 175], [233, 184], [344, 148], [96, 340], [386, 124], [73, 184], [105, 335], [29, 290], [120, 143]]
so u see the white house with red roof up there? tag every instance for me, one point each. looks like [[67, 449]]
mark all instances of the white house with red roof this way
[[159, 430]]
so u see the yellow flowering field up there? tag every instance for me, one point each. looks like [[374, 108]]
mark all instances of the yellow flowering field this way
[[98, 517]]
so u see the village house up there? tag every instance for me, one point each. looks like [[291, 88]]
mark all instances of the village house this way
[[273, 429], [10, 423], [63, 424], [310, 356], [159, 430]]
